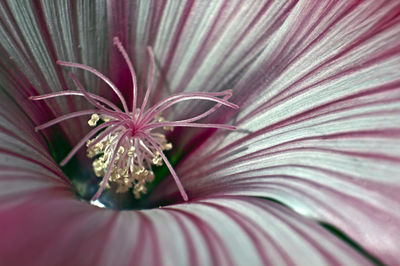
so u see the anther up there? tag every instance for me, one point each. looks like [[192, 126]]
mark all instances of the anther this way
[[93, 120]]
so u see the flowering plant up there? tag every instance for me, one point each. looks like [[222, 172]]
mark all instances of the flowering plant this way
[[310, 175]]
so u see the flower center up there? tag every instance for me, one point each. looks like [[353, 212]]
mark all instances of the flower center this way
[[131, 141], [131, 168]]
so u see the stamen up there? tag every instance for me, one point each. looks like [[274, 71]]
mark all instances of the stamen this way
[[109, 169], [106, 132], [93, 120], [84, 140]]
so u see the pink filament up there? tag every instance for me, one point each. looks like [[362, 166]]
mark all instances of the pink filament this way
[[87, 96], [71, 92], [107, 176], [171, 169], [205, 114], [106, 132], [84, 140], [104, 78], [151, 113], [146, 97], [182, 124], [131, 70], [65, 117]]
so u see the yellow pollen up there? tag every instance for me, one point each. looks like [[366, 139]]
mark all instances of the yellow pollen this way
[[131, 167], [121, 150], [131, 151], [157, 160], [93, 120], [168, 128], [159, 118], [88, 142], [168, 146]]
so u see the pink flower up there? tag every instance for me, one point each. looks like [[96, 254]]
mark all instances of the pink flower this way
[[311, 175], [128, 147]]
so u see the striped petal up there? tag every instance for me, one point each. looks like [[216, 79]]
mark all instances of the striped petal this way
[[319, 124], [319, 91], [214, 231]]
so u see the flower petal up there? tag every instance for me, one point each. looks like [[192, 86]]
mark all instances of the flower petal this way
[[25, 163], [57, 230], [318, 87], [319, 128], [33, 36]]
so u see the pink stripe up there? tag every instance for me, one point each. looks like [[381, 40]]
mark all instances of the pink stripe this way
[[174, 44]]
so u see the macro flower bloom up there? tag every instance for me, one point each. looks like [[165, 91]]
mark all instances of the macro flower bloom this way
[[127, 147], [310, 176]]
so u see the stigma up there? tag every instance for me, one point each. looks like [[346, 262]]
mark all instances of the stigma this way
[[126, 143]]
